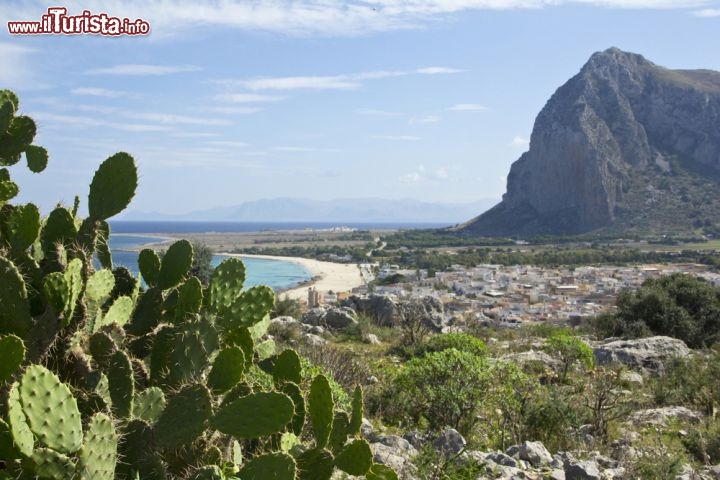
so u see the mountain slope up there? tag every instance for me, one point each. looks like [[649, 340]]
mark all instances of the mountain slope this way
[[626, 146]]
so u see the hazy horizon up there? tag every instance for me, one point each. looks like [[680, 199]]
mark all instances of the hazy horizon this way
[[226, 103]]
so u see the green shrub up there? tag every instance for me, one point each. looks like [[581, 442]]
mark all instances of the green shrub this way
[[459, 341], [445, 388]]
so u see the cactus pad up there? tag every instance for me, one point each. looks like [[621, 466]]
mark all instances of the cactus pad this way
[[381, 472], [338, 434], [119, 313], [98, 455], [356, 415], [320, 408], [175, 264], [185, 417], [147, 312], [208, 473], [227, 370], [295, 394], [191, 349], [15, 312], [226, 284], [275, 466], [190, 299], [100, 285], [149, 404], [149, 264], [37, 158], [51, 410], [8, 450], [249, 308], [102, 346], [356, 458], [315, 465], [112, 186], [255, 415], [13, 354], [49, 464], [59, 229], [121, 384], [138, 454], [21, 434], [22, 226]]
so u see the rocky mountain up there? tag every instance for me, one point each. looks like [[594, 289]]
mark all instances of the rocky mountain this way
[[625, 145], [360, 210]]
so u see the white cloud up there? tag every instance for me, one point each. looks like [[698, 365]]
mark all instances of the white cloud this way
[[424, 119], [436, 70], [171, 119], [407, 138], [296, 83], [707, 13], [330, 82], [247, 98], [469, 107], [85, 122], [235, 110], [141, 69], [100, 92], [519, 141], [421, 174], [413, 177]]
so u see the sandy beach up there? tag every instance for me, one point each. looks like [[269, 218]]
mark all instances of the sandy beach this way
[[338, 277]]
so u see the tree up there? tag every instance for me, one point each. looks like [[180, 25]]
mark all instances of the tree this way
[[569, 349], [415, 321], [202, 266], [680, 306]]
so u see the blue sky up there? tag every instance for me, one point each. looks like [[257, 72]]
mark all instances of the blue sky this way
[[230, 101]]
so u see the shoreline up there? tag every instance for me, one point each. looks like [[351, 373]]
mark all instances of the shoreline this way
[[326, 276]]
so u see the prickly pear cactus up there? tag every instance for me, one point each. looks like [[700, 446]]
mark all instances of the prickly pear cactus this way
[[102, 378]]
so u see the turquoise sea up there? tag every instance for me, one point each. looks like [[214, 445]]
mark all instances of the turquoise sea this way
[[274, 273]]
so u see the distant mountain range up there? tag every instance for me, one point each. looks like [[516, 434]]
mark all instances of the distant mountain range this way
[[625, 146], [356, 210]]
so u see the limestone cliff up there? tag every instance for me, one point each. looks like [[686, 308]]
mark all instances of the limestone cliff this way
[[624, 144]]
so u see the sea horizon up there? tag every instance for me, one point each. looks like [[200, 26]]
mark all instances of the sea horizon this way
[[197, 226]]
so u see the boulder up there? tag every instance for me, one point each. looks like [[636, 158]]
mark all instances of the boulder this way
[[660, 416], [533, 357], [502, 459], [339, 318], [535, 453], [644, 354], [372, 339], [314, 340], [387, 311], [313, 316], [587, 470], [449, 443], [396, 458]]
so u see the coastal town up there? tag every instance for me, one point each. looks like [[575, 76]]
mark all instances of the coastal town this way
[[506, 295]]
